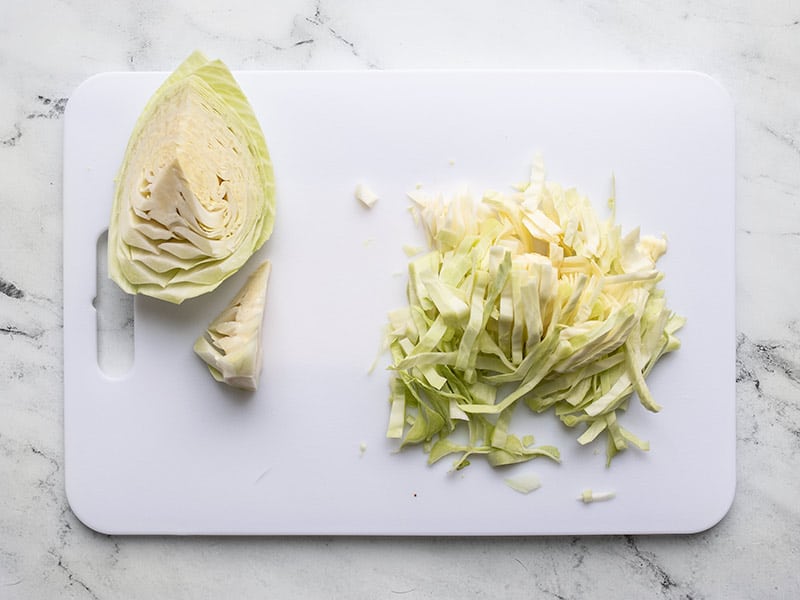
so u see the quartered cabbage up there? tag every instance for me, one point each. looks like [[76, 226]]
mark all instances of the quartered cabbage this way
[[231, 346], [195, 194], [524, 298]]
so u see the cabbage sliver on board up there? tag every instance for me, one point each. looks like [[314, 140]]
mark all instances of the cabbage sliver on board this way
[[195, 194], [525, 298]]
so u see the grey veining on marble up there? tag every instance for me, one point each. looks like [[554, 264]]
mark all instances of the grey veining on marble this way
[[48, 47]]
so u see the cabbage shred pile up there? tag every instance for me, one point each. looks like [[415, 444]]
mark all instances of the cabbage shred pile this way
[[524, 298]]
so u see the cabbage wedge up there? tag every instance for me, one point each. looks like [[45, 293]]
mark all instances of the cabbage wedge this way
[[231, 346], [194, 196]]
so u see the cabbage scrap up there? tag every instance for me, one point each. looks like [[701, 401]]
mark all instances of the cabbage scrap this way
[[524, 298], [195, 193], [588, 496], [365, 195], [231, 346], [524, 484]]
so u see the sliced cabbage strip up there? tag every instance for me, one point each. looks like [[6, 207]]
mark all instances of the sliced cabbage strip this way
[[194, 196], [232, 344]]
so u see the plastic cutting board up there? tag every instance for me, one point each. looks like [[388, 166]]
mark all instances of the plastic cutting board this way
[[165, 449]]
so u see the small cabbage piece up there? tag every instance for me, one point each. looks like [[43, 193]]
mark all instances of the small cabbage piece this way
[[231, 346], [365, 195], [524, 298], [524, 484], [195, 193], [588, 496]]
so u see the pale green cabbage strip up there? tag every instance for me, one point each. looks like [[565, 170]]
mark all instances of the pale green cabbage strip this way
[[524, 298], [195, 192]]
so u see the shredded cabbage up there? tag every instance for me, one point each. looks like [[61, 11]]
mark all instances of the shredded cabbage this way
[[195, 193], [524, 298]]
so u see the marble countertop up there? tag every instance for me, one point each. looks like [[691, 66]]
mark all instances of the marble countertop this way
[[48, 47]]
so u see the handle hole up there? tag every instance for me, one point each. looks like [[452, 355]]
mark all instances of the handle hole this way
[[115, 320]]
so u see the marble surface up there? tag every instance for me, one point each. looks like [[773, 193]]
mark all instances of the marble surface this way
[[47, 47]]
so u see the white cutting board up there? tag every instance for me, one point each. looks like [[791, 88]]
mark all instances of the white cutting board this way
[[165, 449]]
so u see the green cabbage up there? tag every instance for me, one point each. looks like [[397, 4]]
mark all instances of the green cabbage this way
[[524, 298], [232, 346], [195, 193]]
